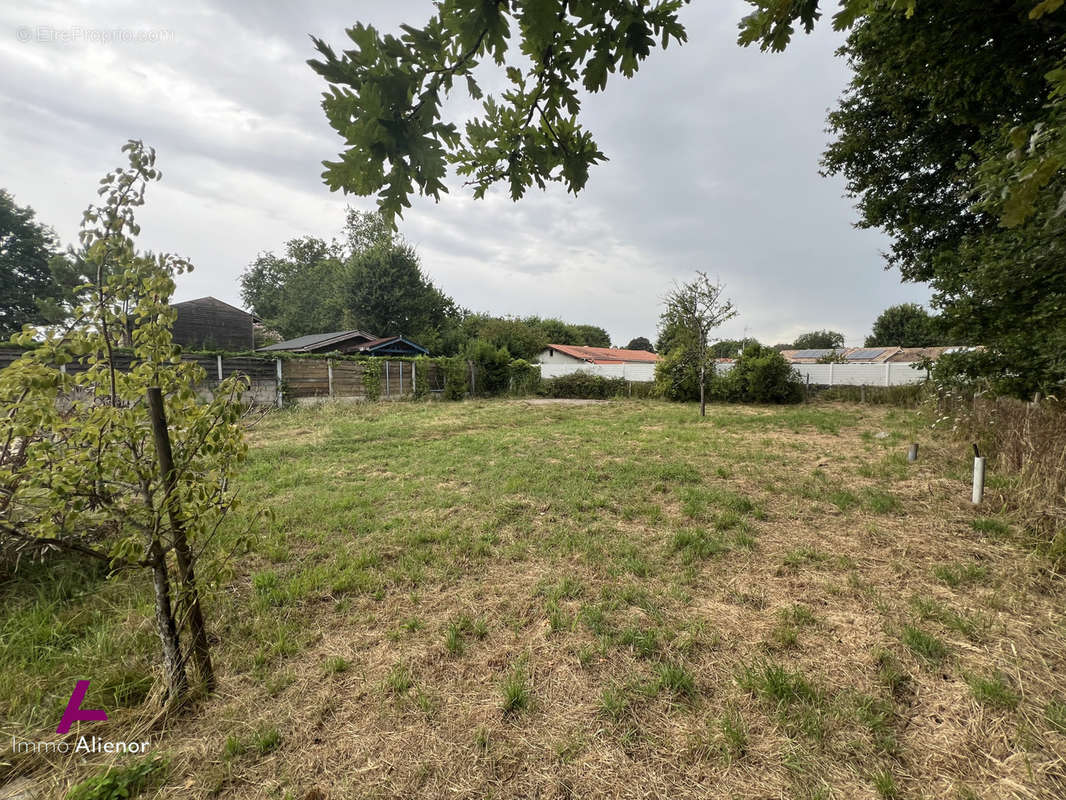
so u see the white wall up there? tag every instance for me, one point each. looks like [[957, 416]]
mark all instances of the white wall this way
[[890, 374], [549, 356], [631, 372]]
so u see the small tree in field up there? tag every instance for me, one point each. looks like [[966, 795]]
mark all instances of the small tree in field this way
[[697, 308], [121, 462]]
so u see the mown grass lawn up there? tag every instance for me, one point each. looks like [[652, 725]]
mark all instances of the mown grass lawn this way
[[502, 599]]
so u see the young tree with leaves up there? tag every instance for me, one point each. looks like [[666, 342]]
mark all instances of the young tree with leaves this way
[[697, 308], [125, 465]]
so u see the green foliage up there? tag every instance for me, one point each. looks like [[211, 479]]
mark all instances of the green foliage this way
[[731, 348], [759, 375], [372, 379], [677, 376], [386, 95], [583, 385], [371, 281], [819, 340], [26, 246], [640, 343], [456, 378], [121, 783], [421, 367], [935, 137], [524, 377], [80, 468], [490, 367], [905, 325], [693, 310]]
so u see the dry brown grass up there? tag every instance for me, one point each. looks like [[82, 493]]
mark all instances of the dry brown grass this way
[[822, 537], [1026, 441]]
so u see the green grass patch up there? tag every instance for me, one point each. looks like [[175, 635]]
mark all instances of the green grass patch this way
[[994, 692], [924, 644]]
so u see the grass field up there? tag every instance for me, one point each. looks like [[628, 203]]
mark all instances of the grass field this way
[[509, 600]]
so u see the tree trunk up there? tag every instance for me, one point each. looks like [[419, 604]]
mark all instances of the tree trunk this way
[[189, 595], [703, 389], [173, 665]]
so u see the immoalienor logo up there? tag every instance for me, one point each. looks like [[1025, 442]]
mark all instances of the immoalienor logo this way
[[85, 744], [75, 713]]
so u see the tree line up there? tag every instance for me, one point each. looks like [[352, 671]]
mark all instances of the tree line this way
[[372, 279]]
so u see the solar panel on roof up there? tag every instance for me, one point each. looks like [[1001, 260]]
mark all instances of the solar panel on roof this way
[[865, 355], [811, 353]]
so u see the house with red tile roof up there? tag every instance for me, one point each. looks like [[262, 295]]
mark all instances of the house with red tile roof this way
[[575, 354]]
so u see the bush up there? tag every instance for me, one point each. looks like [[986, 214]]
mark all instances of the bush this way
[[582, 385], [525, 377], [456, 377], [759, 375], [491, 368], [677, 376]]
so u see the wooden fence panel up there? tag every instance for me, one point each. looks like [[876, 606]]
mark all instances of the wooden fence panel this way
[[348, 379], [305, 378], [258, 369]]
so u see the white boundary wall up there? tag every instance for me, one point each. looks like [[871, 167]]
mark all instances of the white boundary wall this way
[[631, 372], [888, 374]]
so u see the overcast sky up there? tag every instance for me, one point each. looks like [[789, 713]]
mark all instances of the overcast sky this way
[[713, 164]]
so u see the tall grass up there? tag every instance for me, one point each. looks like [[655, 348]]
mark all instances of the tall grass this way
[[1025, 441]]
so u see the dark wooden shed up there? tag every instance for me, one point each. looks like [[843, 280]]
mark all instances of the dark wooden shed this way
[[209, 324]]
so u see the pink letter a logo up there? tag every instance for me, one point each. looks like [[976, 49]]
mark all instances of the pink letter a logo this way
[[75, 712]]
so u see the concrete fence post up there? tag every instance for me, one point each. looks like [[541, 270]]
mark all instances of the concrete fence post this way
[[219, 364], [388, 389], [414, 378], [401, 379], [329, 375], [277, 364], [830, 374], [888, 368]]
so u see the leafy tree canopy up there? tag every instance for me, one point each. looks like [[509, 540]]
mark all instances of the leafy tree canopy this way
[[371, 279], [905, 325], [25, 278], [927, 139], [818, 340], [386, 93], [731, 348], [640, 343]]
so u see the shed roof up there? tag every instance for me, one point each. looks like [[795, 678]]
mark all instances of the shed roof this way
[[316, 341], [208, 302], [385, 341], [605, 355]]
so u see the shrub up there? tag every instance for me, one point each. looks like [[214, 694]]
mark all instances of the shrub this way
[[491, 373], [759, 375], [582, 385], [525, 377], [677, 376], [456, 377]]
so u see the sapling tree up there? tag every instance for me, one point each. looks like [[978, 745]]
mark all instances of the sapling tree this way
[[697, 308], [111, 454]]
